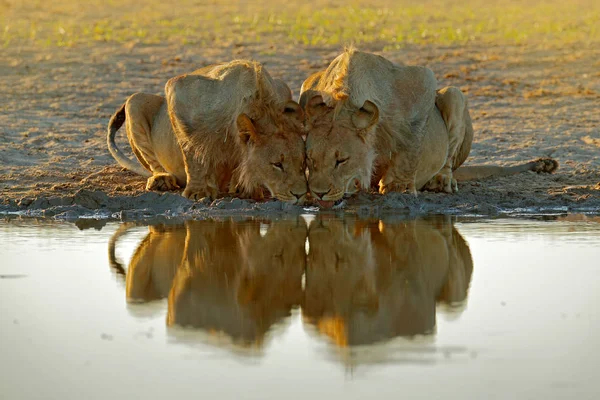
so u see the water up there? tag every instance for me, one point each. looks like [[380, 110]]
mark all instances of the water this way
[[259, 309]]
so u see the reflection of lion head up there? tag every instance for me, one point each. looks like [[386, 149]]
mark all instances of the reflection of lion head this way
[[274, 261], [369, 281], [236, 279], [340, 278]]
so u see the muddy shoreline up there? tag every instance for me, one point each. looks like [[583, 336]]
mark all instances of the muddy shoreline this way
[[491, 197]]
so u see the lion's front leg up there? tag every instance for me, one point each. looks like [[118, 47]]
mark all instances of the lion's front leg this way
[[442, 182], [452, 104], [400, 175], [201, 182], [184, 113]]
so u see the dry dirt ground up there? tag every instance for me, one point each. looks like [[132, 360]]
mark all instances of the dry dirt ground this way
[[533, 87]]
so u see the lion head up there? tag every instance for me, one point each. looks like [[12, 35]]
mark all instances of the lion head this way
[[339, 147], [274, 153]]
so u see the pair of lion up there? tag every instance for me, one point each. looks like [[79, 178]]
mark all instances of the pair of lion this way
[[362, 281], [363, 122]]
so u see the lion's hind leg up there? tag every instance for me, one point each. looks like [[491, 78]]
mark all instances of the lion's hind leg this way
[[141, 108], [452, 104]]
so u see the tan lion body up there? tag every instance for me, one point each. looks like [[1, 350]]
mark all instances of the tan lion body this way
[[232, 117], [372, 122], [215, 132]]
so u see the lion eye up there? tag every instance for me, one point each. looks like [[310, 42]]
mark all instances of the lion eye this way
[[341, 161], [278, 165]]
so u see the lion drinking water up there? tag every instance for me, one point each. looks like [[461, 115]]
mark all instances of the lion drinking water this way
[[221, 129], [372, 122]]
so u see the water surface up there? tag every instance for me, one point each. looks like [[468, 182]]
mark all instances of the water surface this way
[[321, 307]]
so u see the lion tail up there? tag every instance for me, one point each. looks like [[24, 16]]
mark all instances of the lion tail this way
[[474, 172], [114, 263], [116, 121]]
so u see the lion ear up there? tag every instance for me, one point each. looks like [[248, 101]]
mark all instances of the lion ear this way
[[366, 116], [246, 129], [293, 110], [315, 106]]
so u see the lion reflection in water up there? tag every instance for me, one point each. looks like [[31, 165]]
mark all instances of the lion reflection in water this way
[[238, 280], [224, 277], [371, 281], [365, 280], [153, 264]]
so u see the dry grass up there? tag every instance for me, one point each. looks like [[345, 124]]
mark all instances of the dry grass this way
[[319, 22]]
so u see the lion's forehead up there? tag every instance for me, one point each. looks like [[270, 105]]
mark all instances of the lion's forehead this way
[[339, 145], [287, 145]]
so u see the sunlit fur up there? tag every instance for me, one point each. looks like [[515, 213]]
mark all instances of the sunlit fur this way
[[204, 108], [329, 141], [402, 97]]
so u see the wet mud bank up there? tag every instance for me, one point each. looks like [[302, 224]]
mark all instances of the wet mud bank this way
[[525, 194]]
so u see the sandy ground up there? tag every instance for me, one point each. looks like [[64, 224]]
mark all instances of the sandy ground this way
[[526, 101]]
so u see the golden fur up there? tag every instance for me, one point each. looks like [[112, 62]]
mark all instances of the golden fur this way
[[372, 122], [365, 280], [371, 281], [233, 123], [236, 130], [236, 280], [152, 140]]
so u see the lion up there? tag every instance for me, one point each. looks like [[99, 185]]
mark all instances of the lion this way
[[374, 123], [224, 129], [368, 281], [238, 279]]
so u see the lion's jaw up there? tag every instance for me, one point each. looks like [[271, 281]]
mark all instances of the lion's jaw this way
[[276, 162], [340, 159]]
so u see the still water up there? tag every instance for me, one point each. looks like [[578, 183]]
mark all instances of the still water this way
[[308, 307]]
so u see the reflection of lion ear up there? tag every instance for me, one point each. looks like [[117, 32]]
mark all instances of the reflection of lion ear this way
[[246, 129], [366, 116]]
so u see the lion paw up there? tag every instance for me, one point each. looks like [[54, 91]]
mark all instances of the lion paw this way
[[545, 165], [399, 188], [162, 182], [196, 193], [257, 194], [442, 183]]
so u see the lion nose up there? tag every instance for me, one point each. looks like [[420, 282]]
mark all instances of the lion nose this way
[[321, 194], [297, 196]]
